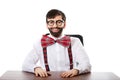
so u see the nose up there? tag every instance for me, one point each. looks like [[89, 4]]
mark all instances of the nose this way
[[55, 25]]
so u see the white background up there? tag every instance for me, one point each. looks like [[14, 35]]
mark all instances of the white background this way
[[23, 21]]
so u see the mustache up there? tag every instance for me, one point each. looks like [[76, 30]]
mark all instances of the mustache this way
[[56, 28]]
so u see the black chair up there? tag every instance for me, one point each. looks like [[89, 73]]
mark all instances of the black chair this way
[[77, 36]]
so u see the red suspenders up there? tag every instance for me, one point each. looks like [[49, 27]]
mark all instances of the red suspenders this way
[[45, 59], [70, 57], [46, 62]]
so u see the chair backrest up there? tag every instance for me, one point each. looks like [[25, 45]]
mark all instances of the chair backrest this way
[[77, 36]]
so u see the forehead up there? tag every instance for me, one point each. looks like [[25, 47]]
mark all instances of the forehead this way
[[56, 18]]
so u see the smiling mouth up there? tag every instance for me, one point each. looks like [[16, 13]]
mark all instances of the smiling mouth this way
[[55, 30]]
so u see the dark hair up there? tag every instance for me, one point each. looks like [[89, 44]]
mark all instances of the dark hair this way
[[53, 13]]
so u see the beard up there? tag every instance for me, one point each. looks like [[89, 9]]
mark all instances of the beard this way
[[56, 34]]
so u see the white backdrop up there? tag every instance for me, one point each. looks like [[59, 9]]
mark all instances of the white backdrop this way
[[23, 21]]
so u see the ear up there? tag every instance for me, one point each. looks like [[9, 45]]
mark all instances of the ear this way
[[47, 25], [64, 24]]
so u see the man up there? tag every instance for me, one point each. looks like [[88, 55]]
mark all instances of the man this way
[[57, 52]]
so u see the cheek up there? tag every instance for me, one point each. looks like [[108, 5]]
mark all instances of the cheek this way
[[63, 26], [48, 26]]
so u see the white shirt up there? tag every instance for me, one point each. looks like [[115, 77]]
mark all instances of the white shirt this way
[[58, 58]]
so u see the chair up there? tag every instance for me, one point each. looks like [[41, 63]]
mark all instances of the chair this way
[[77, 36]]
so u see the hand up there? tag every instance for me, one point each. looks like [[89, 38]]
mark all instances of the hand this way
[[40, 72], [70, 73]]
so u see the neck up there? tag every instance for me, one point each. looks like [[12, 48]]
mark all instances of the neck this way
[[56, 36]]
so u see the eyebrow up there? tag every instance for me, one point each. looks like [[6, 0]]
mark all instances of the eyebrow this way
[[55, 20]]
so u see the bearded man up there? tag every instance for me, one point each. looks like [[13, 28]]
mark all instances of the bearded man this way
[[56, 51]]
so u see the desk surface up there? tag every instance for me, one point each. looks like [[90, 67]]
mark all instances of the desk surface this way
[[20, 75]]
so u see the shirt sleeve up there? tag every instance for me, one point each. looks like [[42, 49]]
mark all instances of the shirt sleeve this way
[[30, 61], [81, 59]]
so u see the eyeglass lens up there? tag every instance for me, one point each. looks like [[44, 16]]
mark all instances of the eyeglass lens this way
[[52, 22]]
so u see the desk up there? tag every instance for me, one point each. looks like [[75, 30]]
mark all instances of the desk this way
[[20, 75]]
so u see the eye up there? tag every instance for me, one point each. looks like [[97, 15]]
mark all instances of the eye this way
[[59, 21], [50, 22]]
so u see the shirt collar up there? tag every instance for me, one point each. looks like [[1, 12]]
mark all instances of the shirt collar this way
[[62, 35]]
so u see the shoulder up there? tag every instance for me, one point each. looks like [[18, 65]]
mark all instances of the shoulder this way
[[37, 43], [75, 41]]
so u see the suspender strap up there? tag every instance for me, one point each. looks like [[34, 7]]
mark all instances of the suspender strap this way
[[70, 57], [45, 59], [46, 62]]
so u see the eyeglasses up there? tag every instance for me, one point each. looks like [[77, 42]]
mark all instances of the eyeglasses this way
[[58, 22]]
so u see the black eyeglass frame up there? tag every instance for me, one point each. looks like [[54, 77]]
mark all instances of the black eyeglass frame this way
[[57, 22]]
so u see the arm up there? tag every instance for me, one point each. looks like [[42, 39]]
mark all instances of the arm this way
[[30, 61], [81, 59]]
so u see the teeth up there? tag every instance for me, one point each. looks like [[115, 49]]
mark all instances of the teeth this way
[[55, 30]]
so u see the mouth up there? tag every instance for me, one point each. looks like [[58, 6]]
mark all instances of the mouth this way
[[55, 30]]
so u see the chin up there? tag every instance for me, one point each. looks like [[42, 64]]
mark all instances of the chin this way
[[56, 33]]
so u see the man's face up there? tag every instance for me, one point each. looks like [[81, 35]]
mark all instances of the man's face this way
[[55, 25]]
